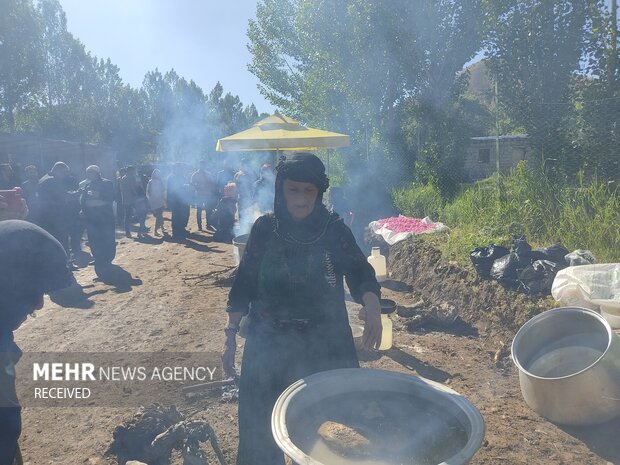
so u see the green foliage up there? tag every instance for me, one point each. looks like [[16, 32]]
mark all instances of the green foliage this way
[[440, 136], [585, 215], [21, 73], [419, 201]]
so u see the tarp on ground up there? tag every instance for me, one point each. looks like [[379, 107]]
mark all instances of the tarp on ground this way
[[396, 229]]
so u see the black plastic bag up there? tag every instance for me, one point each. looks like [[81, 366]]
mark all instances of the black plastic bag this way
[[538, 277], [506, 269], [483, 257], [520, 245], [554, 253], [579, 257]]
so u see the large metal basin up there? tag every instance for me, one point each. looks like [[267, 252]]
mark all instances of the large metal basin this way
[[421, 421], [239, 243], [569, 366]]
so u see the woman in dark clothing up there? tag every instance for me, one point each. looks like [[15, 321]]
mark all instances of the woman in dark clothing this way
[[33, 263], [290, 281]]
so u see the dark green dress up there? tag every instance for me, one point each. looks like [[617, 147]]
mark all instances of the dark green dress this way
[[289, 274]]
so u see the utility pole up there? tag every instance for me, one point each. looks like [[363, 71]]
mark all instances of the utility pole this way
[[496, 128]]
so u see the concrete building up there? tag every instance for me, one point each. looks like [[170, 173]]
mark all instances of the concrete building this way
[[481, 158]]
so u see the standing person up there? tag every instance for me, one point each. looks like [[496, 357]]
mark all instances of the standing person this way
[[339, 203], [224, 176], [53, 198], [244, 184], [225, 214], [178, 200], [7, 177], [290, 281], [98, 213], [118, 198], [264, 189], [8, 212], [38, 265], [30, 192], [75, 225], [141, 207], [204, 193], [129, 194], [156, 195]]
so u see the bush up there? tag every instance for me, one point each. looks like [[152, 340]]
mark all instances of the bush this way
[[585, 216], [419, 201]]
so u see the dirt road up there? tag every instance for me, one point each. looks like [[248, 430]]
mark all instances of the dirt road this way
[[163, 297]]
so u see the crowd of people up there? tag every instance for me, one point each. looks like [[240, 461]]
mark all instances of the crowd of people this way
[[66, 207]]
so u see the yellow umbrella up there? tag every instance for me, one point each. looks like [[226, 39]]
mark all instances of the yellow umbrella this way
[[278, 132]]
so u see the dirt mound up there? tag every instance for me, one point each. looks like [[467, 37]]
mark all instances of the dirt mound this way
[[482, 303]]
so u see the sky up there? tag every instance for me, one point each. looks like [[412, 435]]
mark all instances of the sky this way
[[203, 40]]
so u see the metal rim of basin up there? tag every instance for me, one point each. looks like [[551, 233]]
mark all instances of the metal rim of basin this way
[[551, 314], [282, 438]]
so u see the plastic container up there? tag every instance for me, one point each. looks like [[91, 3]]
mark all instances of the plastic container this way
[[386, 334], [388, 306], [379, 264]]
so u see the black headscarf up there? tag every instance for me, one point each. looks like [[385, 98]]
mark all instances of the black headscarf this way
[[32, 263], [301, 167]]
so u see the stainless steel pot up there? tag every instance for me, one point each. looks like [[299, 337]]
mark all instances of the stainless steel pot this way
[[569, 366], [310, 397]]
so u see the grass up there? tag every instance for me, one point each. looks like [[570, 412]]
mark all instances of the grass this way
[[579, 216]]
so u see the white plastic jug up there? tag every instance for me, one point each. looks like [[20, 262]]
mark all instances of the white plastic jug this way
[[386, 334], [378, 262]]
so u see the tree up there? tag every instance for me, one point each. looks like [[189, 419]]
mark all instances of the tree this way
[[21, 71], [535, 50], [351, 65], [594, 128]]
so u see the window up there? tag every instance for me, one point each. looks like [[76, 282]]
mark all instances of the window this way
[[484, 155]]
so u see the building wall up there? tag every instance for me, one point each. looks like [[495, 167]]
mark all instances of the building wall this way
[[24, 150], [481, 155]]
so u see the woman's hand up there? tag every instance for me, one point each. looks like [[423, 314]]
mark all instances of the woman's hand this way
[[228, 355], [371, 314]]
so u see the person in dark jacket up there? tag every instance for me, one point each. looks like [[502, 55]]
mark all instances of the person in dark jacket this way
[[98, 214], [38, 265], [263, 189], [75, 225], [30, 192], [7, 177], [53, 200], [290, 280], [129, 193], [179, 195]]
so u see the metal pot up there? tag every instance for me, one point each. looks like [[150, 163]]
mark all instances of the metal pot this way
[[569, 366], [311, 396]]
